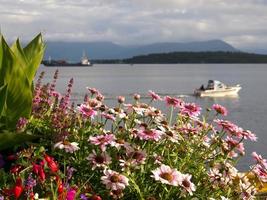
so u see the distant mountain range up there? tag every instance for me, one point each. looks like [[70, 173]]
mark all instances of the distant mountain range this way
[[72, 51]]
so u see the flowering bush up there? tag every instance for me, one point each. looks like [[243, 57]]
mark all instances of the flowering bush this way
[[129, 151]]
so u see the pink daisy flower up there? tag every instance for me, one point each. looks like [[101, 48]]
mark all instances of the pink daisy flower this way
[[230, 128], [137, 156], [220, 109], [249, 135], [149, 134], [69, 147], [190, 109], [167, 175], [172, 136], [108, 116], [185, 182], [234, 144], [259, 159], [154, 96], [171, 101], [87, 111], [114, 181], [102, 140], [261, 172], [99, 160]]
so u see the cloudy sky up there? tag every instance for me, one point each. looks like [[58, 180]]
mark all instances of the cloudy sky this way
[[242, 23]]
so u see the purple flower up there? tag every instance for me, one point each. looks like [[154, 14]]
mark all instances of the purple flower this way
[[30, 182], [21, 124], [70, 171], [83, 197]]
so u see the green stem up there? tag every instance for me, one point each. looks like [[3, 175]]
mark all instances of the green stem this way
[[171, 112], [136, 187]]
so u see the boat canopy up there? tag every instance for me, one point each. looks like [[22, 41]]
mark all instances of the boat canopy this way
[[215, 85]]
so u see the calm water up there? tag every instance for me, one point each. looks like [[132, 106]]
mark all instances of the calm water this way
[[249, 110]]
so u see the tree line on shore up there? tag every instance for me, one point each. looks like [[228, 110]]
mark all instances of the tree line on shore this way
[[189, 57]]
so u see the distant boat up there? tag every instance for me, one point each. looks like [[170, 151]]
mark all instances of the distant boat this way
[[85, 62], [217, 89]]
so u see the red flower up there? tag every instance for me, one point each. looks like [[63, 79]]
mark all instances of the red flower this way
[[41, 173], [48, 158], [60, 188], [53, 166], [18, 189], [35, 168], [15, 169]]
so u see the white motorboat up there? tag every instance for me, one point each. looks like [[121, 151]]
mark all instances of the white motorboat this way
[[217, 89]]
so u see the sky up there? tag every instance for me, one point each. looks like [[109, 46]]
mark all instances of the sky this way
[[241, 23]]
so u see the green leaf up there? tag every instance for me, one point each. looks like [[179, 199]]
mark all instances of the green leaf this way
[[9, 139], [19, 93], [34, 52], [3, 92], [17, 69]]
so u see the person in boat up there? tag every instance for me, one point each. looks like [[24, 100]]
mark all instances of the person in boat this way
[[202, 87]]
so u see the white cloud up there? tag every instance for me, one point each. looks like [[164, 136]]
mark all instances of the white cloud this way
[[239, 22]]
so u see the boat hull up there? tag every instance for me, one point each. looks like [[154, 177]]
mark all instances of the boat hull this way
[[229, 91]]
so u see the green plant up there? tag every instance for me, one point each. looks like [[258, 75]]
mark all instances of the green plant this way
[[17, 70]]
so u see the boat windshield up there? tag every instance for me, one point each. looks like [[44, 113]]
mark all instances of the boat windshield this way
[[214, 85]]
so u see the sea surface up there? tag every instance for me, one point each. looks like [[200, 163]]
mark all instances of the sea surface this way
[[248, 110]]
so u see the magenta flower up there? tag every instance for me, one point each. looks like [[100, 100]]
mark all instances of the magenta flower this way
[[99, 160], [102, 140], [171, 101], [154, 96], [71, 194], [190, 109], [149, 134], [167, 175], [220, 109], [114, 181], [185, 182], [87, 111]]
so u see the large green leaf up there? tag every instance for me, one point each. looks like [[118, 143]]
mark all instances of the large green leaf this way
[[34, 52], [3, 92], [19, 93], [9, 139], [17, 70]]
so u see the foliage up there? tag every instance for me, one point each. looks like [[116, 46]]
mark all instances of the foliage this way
[[17, 70], [129, 151], [198, 57]]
